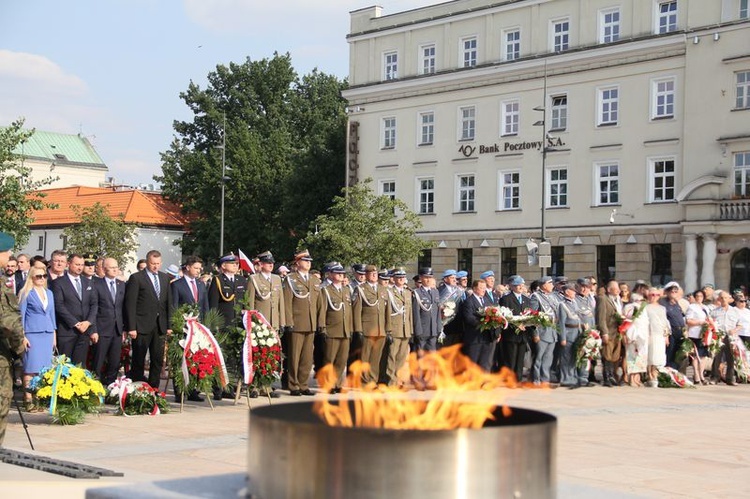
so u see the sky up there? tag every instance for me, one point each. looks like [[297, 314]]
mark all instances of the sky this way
[[112, 70]]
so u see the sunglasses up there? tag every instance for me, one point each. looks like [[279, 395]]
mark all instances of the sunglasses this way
[[40, 276], [741, 301]]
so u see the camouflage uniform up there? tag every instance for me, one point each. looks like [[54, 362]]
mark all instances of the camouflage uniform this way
[[11, 345]]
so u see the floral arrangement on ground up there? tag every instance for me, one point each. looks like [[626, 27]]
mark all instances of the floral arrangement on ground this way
[[136, 398], [262, 351], [70, 392], [672, 378]]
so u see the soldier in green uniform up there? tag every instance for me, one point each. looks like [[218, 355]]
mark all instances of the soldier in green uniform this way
[[12, 341], [372, 318], [402, 325], [336, 323]]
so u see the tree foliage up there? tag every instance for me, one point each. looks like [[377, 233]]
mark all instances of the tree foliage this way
[[284, 149], [100, 233], [19, 196], [362, 227]]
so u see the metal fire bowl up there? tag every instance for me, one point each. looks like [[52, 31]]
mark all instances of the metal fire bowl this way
[[293, 454]]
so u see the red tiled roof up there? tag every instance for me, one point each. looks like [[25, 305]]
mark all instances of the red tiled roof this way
[[145, 208]]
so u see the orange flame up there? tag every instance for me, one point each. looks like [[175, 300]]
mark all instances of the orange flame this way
[[449, 372]]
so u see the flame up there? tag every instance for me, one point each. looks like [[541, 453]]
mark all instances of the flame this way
[[449, 372]]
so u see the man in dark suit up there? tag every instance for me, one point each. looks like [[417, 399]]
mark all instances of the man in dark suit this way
[[478, 345], [75, 310], [110, 322], [148, 309], [190, 289], [514, 338], [23, 264]]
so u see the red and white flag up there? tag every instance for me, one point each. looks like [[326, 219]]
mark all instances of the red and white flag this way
[[245, 263]]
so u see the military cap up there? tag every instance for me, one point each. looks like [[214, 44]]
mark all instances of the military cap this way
[[89, 259], [426, 271], [583, 281], [359, 268], [545, 279], [461, 274], [231, 257], [266, 257], [303, 255], [7, 242], [415, 278], [337, 269], [708, 285], [516, 280], [371, 268], [561, 279], [398, 272], [329, 265], [568, 285], [448, 273], [384, 275], [486, 274]]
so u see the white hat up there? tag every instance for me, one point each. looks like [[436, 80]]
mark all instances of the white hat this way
[[283, 269], [672, 284], [173, 270]]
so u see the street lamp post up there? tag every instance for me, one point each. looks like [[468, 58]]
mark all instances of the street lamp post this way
[[223, 148], [543, 254]]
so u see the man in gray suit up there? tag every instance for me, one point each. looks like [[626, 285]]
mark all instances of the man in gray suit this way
[[544, 300]]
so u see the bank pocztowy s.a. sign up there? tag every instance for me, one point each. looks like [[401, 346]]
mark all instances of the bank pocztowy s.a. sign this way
[[468, 150]]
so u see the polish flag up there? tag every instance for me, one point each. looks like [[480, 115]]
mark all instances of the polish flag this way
[[245, 263]]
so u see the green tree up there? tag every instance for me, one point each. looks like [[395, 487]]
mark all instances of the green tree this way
[[284, 149], [363, 227], [19, 196], [101, 233]]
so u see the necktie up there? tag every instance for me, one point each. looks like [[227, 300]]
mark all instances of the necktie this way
[[195, 290], [157, 288], [519, 299], [78, 288], [112, 289], [24, 275]]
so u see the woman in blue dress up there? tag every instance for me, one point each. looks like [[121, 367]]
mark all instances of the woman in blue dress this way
[[38, 317]]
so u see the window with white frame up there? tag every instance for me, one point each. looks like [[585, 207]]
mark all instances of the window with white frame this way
[[560, 35], [425, 195], [559, 114], [465, 193], [468, 122], [512, 41], [510, 116], [662, 98], [388, 188], [609, 105], [389, 132], [666, 16], [390, 60], [609, 25], [607, 183], [742, 174], [743, 90], [662, 179], [510, 190], [426, 128], [427, 56], [557, 187], [469, 51], [744, 14]]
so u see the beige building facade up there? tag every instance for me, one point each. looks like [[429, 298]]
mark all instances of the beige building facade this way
[[619, 132]]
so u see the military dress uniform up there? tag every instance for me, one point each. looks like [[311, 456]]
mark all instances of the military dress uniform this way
[[223, 294], [547, 303], [264, 294], [372, 318], [402, 328], [302, 302], [337, 323]]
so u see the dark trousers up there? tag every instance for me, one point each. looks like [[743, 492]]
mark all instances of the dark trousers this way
[[153, 344], [107, 358], [675, 340], [481, 353], [425, 343], [513, 354], [725, 355], [75, 347]]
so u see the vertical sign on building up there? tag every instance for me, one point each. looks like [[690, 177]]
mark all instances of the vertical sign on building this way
[[352, 153]]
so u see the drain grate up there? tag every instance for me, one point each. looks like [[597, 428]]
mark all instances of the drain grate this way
[[52, 465]]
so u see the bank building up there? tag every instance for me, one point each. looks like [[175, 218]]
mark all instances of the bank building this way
[[618, 132]]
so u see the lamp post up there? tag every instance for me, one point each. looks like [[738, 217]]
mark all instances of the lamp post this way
[[543, 251], [223, 148]]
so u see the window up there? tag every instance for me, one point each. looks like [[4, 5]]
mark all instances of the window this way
[[510, 117], [426, 195], [557, 255], [605, 264], [468, 122], [465, 259], [743, 9], [608, 184], [609, 105], [609, 25], [662, 180], [389, 133], [465, 194], [743, 90], [424, 259], [388, 188], [512, 40], [661, 264], [510, 190], [426, 128], [666, 17], [558, 187], [662, 99], [64, 241], [559, 113], [391, 65], [427, 54], [560, 35], [469, 52], [40, 245], [742, 174], [508, 263]]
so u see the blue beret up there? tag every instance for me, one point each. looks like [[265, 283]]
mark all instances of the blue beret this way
[[7, 242], [449, 273], [486, 274], [461, 274], [516, 280]]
